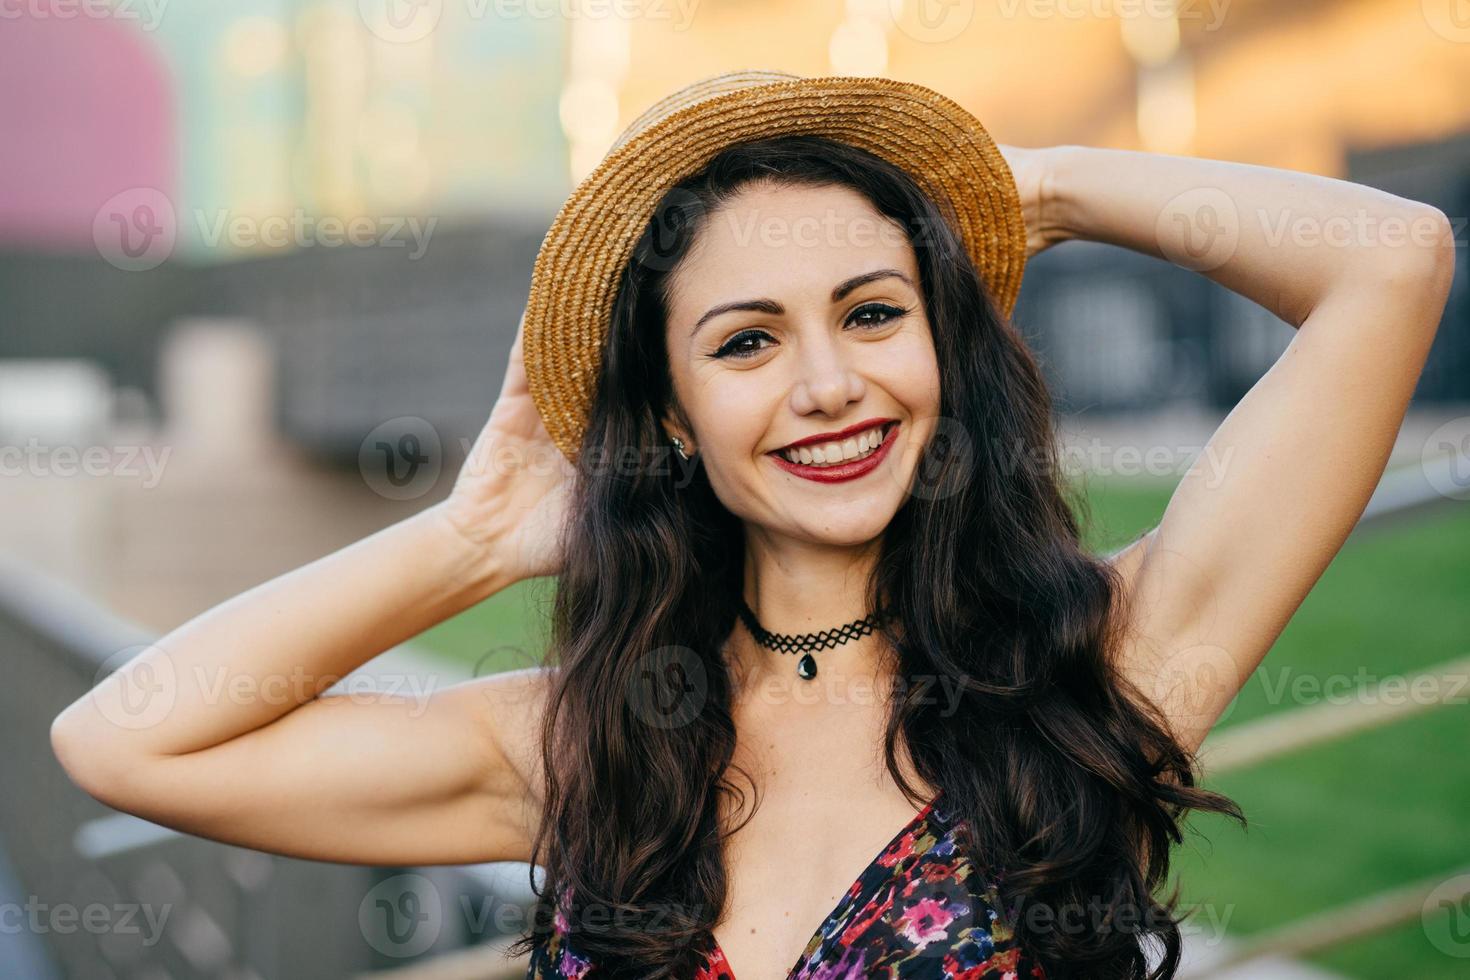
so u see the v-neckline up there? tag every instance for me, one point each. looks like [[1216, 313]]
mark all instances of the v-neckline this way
[[717, 961]]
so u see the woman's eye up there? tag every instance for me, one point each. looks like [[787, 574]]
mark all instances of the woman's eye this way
[[747, 343], [742, 344], [875, 314]]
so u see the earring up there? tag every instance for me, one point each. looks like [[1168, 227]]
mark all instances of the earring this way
[[679, 447]]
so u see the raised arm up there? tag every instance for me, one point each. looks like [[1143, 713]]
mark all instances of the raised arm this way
[[1363, 276], [221, 730], [218, 729]]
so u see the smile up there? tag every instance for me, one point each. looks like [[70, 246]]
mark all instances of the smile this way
[[837, 461]]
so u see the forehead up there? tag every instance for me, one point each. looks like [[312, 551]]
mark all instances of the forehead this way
[[775, 239]]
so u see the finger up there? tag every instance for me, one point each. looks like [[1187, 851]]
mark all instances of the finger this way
[[515, 382]]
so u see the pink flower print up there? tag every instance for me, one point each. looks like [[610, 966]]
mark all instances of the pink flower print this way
[[924, 922]]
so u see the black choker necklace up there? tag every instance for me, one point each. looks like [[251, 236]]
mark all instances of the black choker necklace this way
[[805, 643]]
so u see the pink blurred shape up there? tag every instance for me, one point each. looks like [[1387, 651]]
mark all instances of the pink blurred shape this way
[[87, 114]]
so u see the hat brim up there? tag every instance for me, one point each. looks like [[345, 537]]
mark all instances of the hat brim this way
[[938, 143]]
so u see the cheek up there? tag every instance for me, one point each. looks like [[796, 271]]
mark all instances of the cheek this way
[[733, 416], [907, 368]]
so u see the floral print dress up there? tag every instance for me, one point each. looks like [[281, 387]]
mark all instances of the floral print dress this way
[[919, 911]]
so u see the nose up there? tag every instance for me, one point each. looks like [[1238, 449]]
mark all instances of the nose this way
[[825, 382]]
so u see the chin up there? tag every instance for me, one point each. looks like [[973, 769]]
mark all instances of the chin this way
[[845, 529]]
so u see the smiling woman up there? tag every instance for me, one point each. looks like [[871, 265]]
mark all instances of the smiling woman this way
[[1016, 826], [822, 329], [841, 399]]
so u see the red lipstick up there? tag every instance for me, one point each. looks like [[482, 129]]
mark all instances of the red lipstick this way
[[839, 435], [841, 472]]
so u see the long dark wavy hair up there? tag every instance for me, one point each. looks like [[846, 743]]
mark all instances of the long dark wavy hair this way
[[1070, 786]]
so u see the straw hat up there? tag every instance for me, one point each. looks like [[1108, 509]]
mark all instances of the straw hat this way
[[573, 285]]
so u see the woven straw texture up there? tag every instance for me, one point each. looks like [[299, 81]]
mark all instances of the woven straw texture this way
[[941, 146]]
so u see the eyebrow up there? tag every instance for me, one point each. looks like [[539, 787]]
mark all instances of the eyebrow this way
[[774, 308]]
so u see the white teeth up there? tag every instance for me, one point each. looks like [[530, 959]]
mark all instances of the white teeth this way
[[830, 453]]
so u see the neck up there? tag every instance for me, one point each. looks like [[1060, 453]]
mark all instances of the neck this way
[[796, 587]]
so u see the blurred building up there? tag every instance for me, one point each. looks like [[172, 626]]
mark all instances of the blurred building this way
[[364, 184], [245, 243]]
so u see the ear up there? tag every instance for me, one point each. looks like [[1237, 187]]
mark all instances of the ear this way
[[676, 424]]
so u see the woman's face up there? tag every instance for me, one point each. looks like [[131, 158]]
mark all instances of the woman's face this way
[[798, 312]]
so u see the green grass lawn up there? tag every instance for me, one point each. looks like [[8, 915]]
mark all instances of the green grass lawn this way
[[1327, 825], [1384, 808]]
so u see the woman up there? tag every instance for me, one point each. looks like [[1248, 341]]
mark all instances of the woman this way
[[980, 759]]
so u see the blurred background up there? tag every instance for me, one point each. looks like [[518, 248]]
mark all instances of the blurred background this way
[[260, 268]]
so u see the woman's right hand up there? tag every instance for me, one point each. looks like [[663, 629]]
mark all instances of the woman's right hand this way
[[511, 494]]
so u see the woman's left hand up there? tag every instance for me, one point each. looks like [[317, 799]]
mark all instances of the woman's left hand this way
[[1032, 170]]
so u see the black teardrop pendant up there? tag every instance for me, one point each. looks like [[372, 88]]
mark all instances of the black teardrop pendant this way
[[806, 667]]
